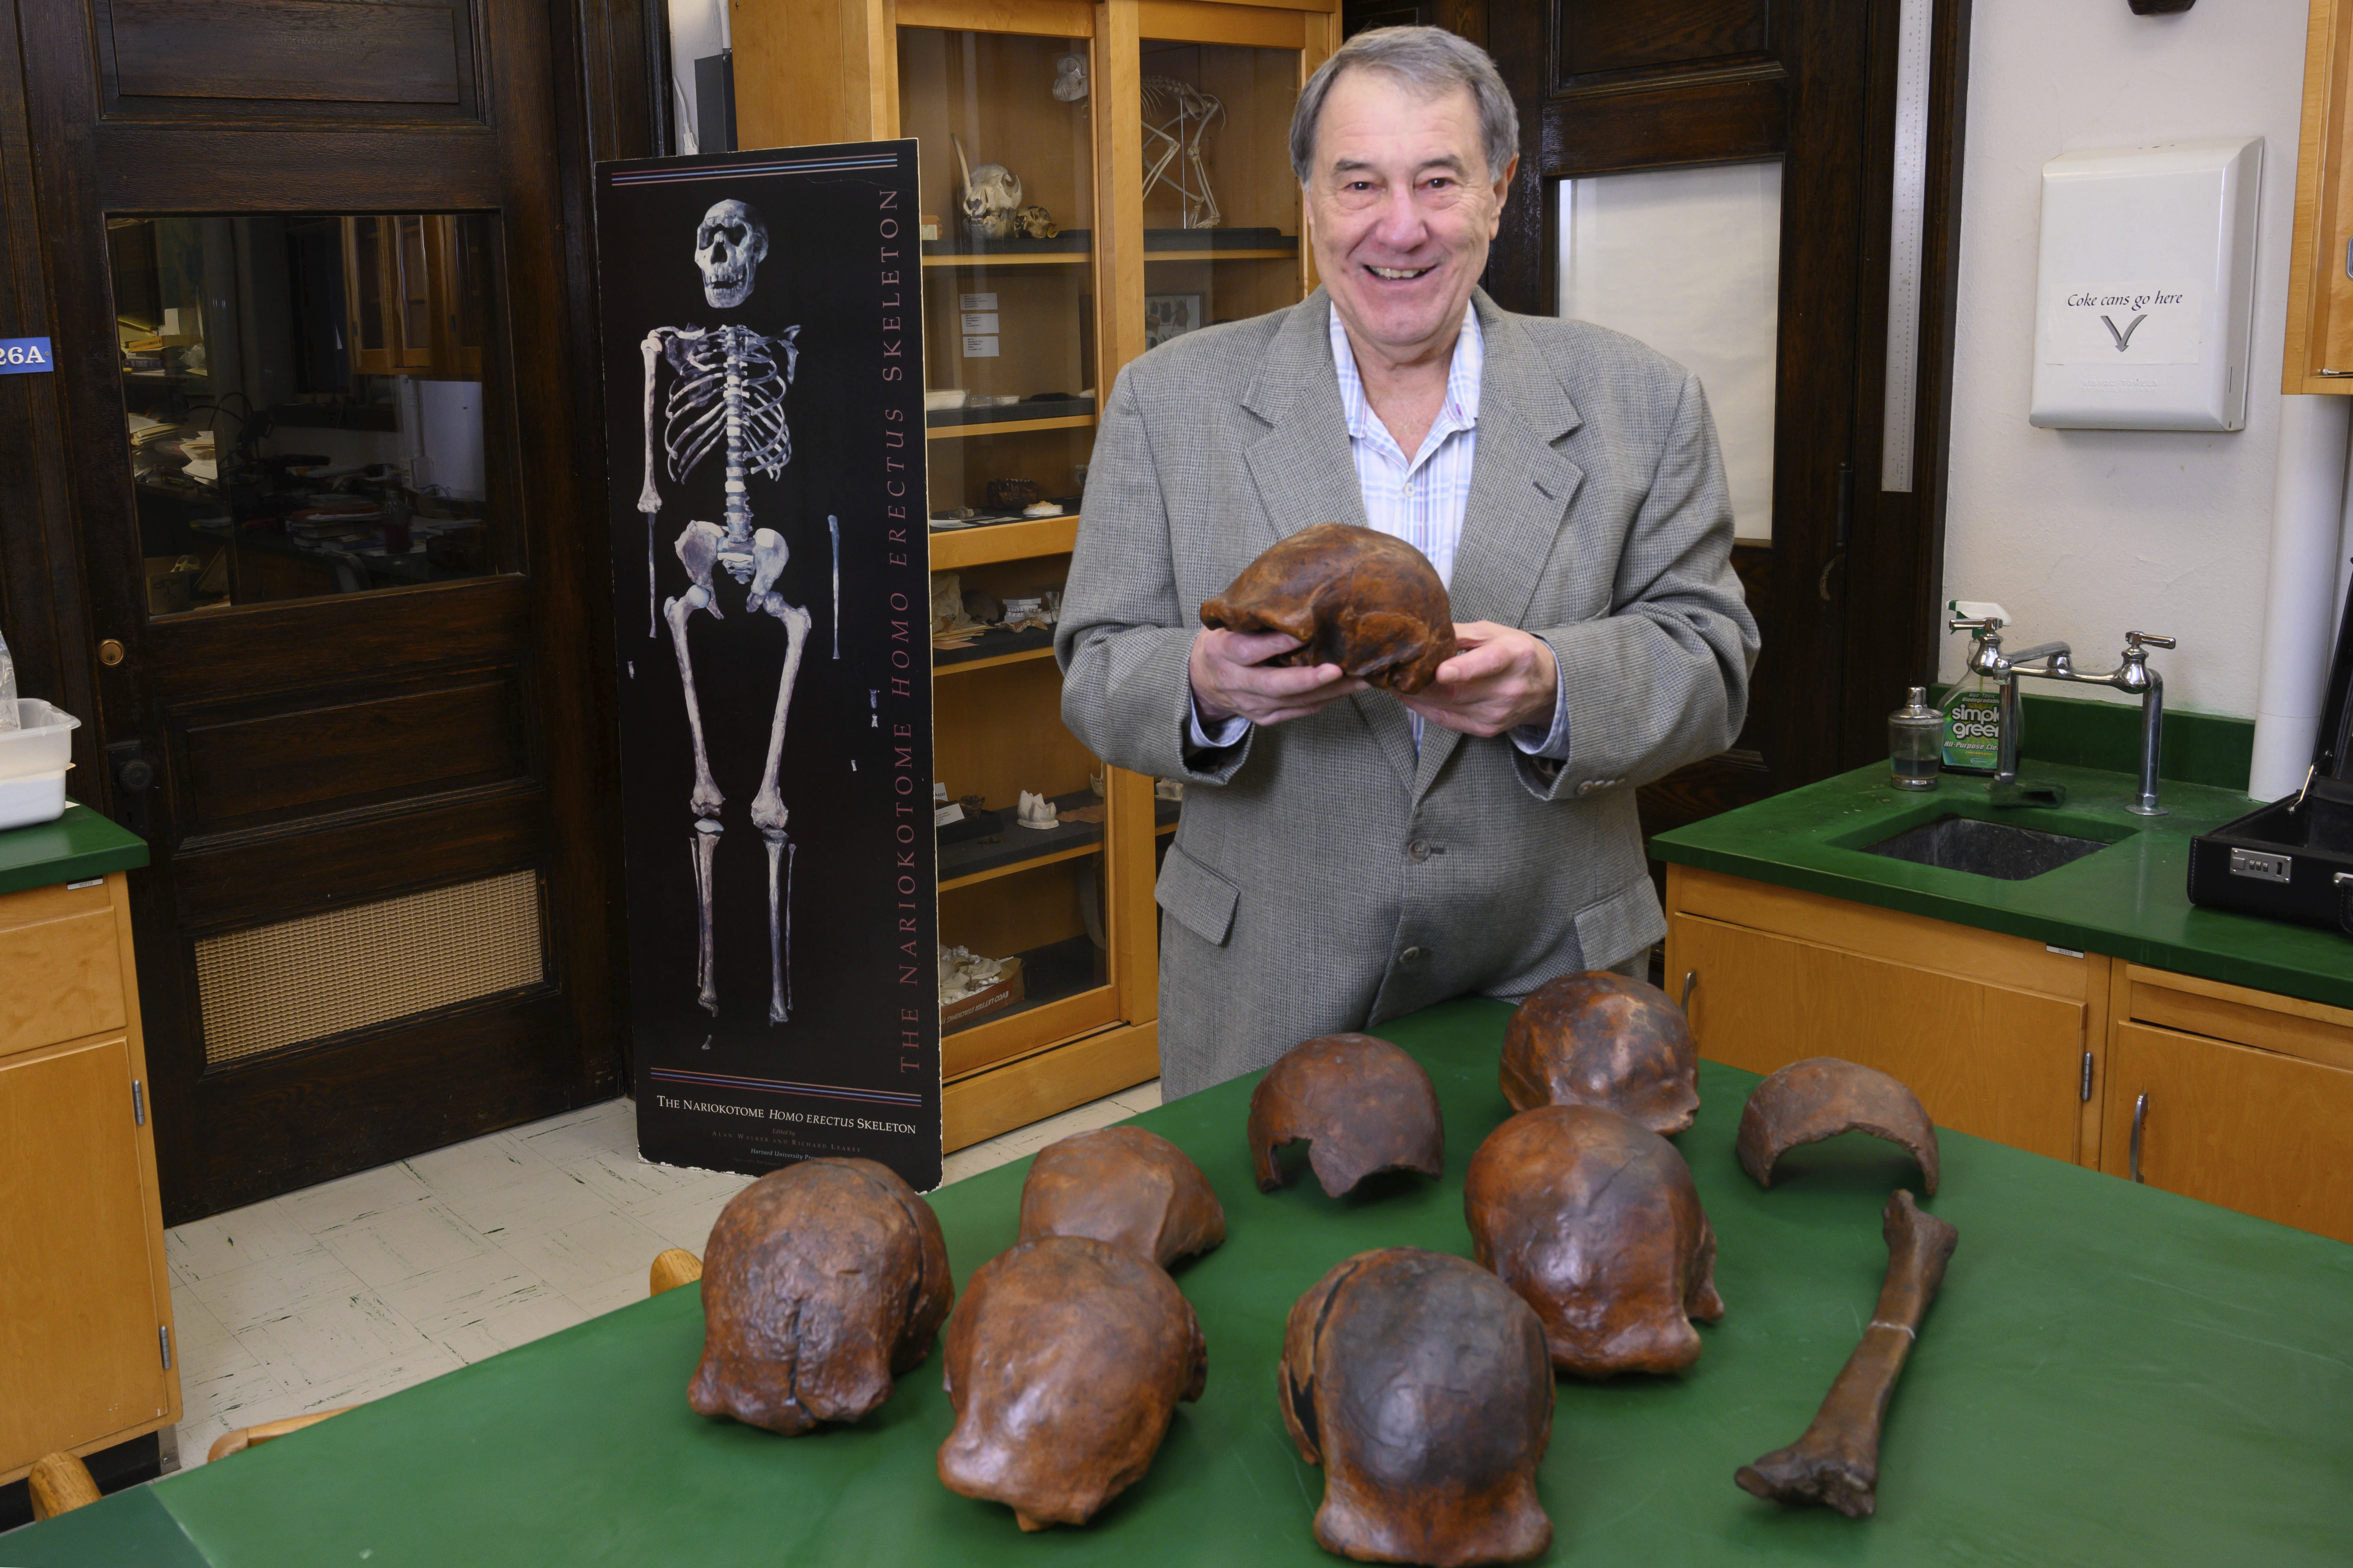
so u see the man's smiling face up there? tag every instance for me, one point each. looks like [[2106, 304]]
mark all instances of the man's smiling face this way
[[1401, 206]]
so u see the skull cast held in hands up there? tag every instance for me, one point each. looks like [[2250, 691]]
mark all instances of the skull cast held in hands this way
[[1418, 1382], [1126, 1186], [728, 249], [1595, 1222], [822, 1283], [1361, 1104], [1822, 1097], [1357, 598], [1065, 1364], [1607, 1040]]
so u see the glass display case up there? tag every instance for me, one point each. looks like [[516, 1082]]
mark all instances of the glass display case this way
[[1097, 179]]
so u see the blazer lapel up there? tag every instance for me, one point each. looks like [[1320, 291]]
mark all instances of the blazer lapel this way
[[1305, 475], [1520, 491]]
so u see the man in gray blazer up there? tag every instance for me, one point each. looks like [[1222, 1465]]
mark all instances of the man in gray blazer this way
[[1348, 856]]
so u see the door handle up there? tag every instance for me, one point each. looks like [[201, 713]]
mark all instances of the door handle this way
[[1690, 983], [2140, 1122], [134, 776]]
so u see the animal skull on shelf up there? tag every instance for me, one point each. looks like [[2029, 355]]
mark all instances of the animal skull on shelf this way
[[728, 249], [990, 196], [1035, 222]]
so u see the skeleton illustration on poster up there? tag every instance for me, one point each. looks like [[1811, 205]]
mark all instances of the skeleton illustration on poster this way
[[763, 405]]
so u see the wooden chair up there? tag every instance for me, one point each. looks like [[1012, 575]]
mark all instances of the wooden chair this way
[[673, 1269], [59, 1484], [244, 1438]]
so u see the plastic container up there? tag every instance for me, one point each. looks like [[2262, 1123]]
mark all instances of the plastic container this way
[[29, 799], [43, 744]]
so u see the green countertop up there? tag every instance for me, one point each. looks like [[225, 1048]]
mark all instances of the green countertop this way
[[2130, 900], [79, 845], [2112, 1374]]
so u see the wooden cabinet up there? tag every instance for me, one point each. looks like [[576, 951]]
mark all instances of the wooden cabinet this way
[[85, 1302], [414, 293], [1994, 1033], [2242, 1098], [1153, 135], [2319, 356]]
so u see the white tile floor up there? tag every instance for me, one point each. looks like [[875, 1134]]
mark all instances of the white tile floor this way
[[341, 1292]]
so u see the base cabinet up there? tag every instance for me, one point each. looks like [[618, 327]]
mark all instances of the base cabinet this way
[[85, 1303]]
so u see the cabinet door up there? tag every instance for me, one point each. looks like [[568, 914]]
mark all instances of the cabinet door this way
[[2250, 1129], [67, 937], [80, 1302], [1986, 1059]]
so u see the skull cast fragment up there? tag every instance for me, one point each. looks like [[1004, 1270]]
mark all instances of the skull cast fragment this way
[[822, 1283], [1065, 1364], [1125, 1186], [1357, 598], [1595, 1222], [729, 246], [1603, 1040], [1822, 1097], [1418, 1382], [1361, 1104]]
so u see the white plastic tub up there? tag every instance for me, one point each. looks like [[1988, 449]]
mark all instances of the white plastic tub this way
[[31, 798], [44, 745]]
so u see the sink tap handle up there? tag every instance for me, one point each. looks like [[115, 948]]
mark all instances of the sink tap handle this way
[[2134, 640], [1975, 623]]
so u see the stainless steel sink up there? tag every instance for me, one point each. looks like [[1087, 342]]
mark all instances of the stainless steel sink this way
[[1986, 849]]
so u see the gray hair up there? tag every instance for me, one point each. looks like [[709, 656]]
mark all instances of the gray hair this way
[[1431, 61]]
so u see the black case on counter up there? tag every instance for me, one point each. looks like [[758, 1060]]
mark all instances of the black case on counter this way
[[2293, 859]]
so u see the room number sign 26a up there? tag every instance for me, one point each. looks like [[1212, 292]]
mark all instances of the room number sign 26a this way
[[24, 356]]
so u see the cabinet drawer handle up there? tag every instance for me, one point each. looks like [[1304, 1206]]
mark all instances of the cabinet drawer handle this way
[[1690, 983], [2140, 1120]]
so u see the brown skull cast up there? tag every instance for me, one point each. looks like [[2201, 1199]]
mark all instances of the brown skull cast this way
[[1357, 598], [1418, 1383], [1065, 1364], [1595, 1222], [1126, 1186], [822, 1283], [1607, 1040], [1361, 1104], [1822, 1097], [1836, 1463]]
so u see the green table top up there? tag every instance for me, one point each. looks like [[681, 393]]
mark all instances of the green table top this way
[[2130, 900], [79, 845], [2112, 1374]]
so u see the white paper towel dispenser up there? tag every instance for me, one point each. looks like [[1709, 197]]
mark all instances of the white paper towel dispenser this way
[[2146, 295]]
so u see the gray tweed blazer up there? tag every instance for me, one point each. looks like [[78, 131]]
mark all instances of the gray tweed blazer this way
[[1325, 876]]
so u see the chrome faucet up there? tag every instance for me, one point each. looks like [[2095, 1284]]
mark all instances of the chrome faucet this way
[[2056, 661]]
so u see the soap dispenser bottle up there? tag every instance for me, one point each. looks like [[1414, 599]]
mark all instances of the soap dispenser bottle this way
[[1915, 742]]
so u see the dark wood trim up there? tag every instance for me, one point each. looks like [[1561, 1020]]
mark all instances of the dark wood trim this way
[[1736, 115], [142, 167]]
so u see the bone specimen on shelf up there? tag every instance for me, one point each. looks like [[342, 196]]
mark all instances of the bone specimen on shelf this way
[[1036, 811], [1357, 598], [1071, 78], [1177, 120], [988, 196], [1595, 1222], [1124, 1185], [1418, 1382], [1065, 1364], [1822, 1097], [1361, 1105], [964, 973], [1836, 1462], [1603, 1040], [822, 1283], [1035, 222]]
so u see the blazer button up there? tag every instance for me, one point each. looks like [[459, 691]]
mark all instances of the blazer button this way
[[1409, 958], [1590, 786], [1417, 850]]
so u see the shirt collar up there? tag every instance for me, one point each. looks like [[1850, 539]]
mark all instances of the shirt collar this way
[[1462, 377]]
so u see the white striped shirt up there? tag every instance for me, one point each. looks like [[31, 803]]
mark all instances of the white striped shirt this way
[[1422, 500]]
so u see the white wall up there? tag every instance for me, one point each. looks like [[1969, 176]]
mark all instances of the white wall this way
[[697, 29], [2083, 533]]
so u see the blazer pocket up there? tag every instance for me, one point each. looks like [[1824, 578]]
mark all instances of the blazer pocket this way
[[1202, 900], [1620, 925]]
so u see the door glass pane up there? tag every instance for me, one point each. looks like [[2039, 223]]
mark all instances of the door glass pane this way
[[302, 399], [1688, 261], [1220, 203]]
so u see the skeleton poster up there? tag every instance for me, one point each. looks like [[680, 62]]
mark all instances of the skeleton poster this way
[[764, 407]]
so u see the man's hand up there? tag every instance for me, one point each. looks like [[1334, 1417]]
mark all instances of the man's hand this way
[[1228, 678], [1499, 679]]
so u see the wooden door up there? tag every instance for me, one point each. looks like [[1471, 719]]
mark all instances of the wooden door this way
[[381, 912], [81, 1294], [1845, 591], [1986, 1059], [2250, 1129]]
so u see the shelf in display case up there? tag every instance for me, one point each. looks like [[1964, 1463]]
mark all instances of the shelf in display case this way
[[1071, 244], [1214, 244], [1026, 849], [987, 543], [1027, 414], [1004, 426], [992, 648]]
